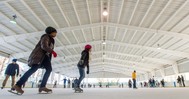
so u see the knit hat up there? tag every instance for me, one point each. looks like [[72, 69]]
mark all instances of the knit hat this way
[[50, 29], [88, 46], [14, 60]]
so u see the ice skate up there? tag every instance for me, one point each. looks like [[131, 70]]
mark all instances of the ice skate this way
[[18, 91], [2, 87], [78, 90], [12, 89], [44, 89]]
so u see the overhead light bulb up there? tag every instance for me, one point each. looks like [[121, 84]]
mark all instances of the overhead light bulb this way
[[13, 21], [105, 13]]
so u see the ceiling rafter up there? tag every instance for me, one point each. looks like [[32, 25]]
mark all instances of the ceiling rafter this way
[[115, 33], [119, 15], [62, 12], [133, 36], [167, 33], [84, 35], [109, 71], [92, 33], [179, 23], [143, 35], [152, 3], [9, 31], [39, 33], [176, 12], [41, 3], [25, 54], [113, 60], [133, 12], [76, 12], [165, 51], [158, 60], [33, 13], [73, 28], [88, 9], [119, 67], [108, 6], [125, 32], [165, 7], [103, 64]]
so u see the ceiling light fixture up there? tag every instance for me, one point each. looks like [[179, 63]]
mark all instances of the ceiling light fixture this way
[[142, 58], [14, 19], [105, 12], [158, 46], [104, 55], [104, 43]]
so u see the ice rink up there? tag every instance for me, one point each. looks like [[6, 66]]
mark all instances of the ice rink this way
[[102, 93]]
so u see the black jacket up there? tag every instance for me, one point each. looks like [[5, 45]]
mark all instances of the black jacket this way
[[85, 58], [12, 69]]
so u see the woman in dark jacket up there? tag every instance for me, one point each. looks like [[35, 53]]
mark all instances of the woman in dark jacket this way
[[84, 62], [40, 58]]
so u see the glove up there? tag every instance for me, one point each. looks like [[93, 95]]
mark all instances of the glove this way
[[54, 54], [87, 72]]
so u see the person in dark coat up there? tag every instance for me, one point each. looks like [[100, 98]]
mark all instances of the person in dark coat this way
[[11, 70], [182, 80], [84, 62], [40, 57], [179, 81]]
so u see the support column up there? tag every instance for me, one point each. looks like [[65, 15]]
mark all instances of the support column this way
[[162, 71], [146, 76], [59, 76], [175, 68], [3, 63]]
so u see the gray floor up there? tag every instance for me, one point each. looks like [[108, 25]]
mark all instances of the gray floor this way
[[102, 93]]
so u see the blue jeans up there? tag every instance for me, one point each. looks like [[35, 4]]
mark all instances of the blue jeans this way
[[134, 83], [82, 75], [45, 64]]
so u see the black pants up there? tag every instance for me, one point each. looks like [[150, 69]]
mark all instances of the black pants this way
[[46, 64]]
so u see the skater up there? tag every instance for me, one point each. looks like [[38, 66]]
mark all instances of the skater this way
[[55, 83], [130, 83], [84, 61], [179, 81], [182, 80], [40, 58], [134, 79], [65, 82], [69, 83], [11, 70]]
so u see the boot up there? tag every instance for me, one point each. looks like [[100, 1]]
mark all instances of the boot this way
[[44, 89], [18, 89], [12, 89], [2, 87], [80, 89]]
